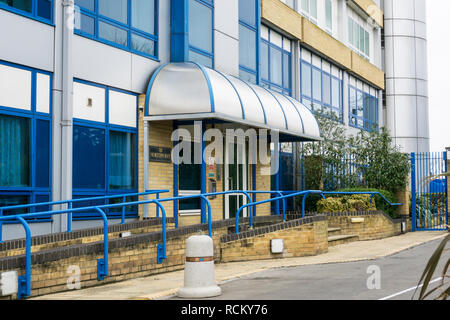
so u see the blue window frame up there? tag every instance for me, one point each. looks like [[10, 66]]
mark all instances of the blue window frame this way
[[41, 10], [201, 36], [111, 167], [25, 151], [131, 25], [249, 33], [321, 91], [363, 109], [276, 65]]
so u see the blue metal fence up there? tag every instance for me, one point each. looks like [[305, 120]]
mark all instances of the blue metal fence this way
[[24, 284], [429, 191]]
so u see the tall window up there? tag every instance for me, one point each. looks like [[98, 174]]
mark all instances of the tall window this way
[[359, 38], [363, 105], [25, 140], [248, 40], [127, 24], [104, 153], [308, 8], [275, 61], [37, 9], [201, 32], [321, 86]]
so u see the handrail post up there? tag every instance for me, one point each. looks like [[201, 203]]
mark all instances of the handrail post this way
[[69, 217], [209, 215], [124, 199], [102, 264], [24, 282], [237, 219], [284, 206], [157, 207], [1, 226], [161, 249], [250, 208]]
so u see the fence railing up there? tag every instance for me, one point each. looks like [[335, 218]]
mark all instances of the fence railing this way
[[70, 204], [24, 288]]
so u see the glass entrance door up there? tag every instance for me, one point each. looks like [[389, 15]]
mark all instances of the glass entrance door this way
[[236, 177]]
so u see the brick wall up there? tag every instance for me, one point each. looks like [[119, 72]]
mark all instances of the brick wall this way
[[303, 237]]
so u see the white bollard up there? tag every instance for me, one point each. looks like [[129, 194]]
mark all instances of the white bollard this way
[[199, 279]]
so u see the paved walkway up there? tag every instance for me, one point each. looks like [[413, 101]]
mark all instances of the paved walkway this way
[[163, 285]]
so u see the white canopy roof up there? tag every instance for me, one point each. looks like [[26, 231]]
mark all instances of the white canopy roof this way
[[189, 91]]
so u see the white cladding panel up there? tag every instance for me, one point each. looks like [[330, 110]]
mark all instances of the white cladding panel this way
[[122, 109], [43, 93], [88, 102], [15, 87]]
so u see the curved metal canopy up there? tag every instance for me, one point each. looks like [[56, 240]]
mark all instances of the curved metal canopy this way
[[189, 91]]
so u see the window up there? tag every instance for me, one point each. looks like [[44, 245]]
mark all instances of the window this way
[[248, 40], [25, 140], [363, 109], [127, 24], [308, 8], [359, 38], [41, 10], [201, 32], [321, 86], [276, 62], [105, 153]]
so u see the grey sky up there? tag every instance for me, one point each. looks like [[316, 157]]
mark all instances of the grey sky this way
[[439, 71]]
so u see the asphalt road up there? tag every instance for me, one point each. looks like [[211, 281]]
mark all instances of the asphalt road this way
[[398, 275]]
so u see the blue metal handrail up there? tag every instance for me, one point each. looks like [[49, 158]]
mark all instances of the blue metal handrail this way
[[102, 264], [70, 205]]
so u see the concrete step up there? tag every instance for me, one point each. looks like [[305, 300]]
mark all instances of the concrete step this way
[[341, 239], [334, 231]]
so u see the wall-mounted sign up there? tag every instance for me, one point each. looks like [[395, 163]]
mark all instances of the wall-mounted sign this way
[[160, 154]]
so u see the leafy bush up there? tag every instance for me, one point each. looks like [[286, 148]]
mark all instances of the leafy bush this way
[[379, 202], [346, 204]]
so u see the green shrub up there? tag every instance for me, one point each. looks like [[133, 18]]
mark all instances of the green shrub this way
[[346, 204], [379, 202]]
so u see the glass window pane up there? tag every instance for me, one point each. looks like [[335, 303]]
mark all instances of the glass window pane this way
[[44, 9], [15, 166], [189, 174], [143, 15], [306, 80], [42, 153], [356, 35], [14, 200], [307, 103], [276, 70], [286, 71], [247, 47], [247, 11], [335, 92], [313, 8], [361, 39], [360, 104], [200, 58], [114, 9], [25, 5], [122, 160], [264, 60], [367, 44], [326, 89], [247, 76], [200, 26], [85, 23], [317, 85], [353, 104], [329, 14], [113, 34], [86, 4], [142, 44], [88, 158], [350, 31], [305, 6]]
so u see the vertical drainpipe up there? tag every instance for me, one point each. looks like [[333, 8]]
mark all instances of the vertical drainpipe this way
[[63, 106]]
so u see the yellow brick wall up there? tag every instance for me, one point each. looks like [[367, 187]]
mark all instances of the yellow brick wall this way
[[305, 240]]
